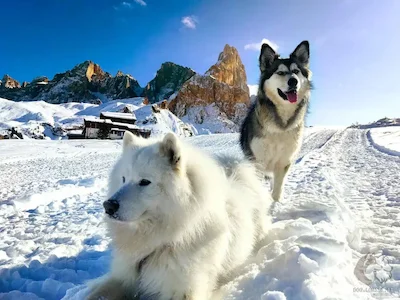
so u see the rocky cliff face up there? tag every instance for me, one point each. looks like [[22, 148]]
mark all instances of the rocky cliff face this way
[[168, 80], [221, 93], [86, 82], [229, 69], [9, 83]]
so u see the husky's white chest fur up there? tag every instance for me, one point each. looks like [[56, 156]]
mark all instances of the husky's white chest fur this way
[[276, 149]]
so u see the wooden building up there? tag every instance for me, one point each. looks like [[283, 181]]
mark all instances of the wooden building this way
[[110, 125], [105, 128]]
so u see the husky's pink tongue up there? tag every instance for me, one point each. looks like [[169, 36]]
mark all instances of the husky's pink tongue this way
[[292, 97]]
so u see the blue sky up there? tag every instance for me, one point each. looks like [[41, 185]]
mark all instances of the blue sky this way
[[355, 44]]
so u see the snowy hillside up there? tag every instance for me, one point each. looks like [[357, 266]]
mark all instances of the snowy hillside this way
[[36, 118], [386, 139], [342, 207]]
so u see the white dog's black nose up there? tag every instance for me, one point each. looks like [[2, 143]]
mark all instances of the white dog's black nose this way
[[111, 206], [292, 82]]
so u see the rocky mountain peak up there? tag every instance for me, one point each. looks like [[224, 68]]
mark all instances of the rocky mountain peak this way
[[9, 82], [168, 80], [39, 80], [229, 68], [86, 82], [88, 69], [221, 94]]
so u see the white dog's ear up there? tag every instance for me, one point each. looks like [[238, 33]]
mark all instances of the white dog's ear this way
[[131, 141], [267, 57], [302, 52], [170, 147]]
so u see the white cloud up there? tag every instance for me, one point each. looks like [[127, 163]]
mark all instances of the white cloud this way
[[129, 5], [253, 89], [126, 4], [141, 2], [190, 22], [257, 46]]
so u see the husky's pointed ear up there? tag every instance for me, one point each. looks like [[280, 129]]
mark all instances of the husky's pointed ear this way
[[267, 57], [170, 147], [302, 53], [130, 140]]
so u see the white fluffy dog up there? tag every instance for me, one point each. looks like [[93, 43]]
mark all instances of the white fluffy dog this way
[[180, 220]]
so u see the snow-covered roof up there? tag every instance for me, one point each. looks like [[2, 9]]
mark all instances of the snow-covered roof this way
[[126, 125], [96, 120], [126, 116], [130, 126], [78, 131]]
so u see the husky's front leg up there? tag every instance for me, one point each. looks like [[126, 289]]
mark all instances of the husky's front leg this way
[[279, 181]]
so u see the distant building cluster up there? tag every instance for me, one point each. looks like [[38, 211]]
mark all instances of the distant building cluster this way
[[110, 125]]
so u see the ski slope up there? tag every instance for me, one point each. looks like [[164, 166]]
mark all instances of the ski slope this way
[[342, 202]]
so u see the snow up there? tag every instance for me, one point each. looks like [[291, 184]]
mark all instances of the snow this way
[[38, 118], [342, 202], [127, 116], [31, 115], [386, 139], [127, 125], [209, 120]]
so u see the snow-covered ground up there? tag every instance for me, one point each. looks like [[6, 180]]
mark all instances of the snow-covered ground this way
[[341, 207], [387, 139]]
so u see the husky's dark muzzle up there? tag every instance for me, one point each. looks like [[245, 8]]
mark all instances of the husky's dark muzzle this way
[[111, 206]]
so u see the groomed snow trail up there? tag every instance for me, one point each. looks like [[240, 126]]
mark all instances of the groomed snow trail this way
[[342, 200], [365, 182]]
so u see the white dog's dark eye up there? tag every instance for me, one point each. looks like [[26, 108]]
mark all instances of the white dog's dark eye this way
[[144, 182], [280, 73], [296, 71], [123, 179]]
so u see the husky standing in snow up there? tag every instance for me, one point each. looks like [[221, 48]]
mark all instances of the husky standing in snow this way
[[180, 220], [272, 132]]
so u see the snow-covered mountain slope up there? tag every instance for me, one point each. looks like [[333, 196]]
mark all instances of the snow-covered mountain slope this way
[[212, 120], [386, 139], [342, 202], [30, 116]]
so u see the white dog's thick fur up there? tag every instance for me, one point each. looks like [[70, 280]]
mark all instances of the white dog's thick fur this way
[[185, 220]]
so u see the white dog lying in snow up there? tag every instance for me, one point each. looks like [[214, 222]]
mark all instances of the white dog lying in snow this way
[[180, 220]]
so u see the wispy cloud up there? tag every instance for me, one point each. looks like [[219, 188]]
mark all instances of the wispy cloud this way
[[129, 5], [126, 5], [257, 46], [141, 2], [190, 22]]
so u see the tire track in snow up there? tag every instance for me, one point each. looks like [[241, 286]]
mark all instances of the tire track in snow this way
[[314, 141]]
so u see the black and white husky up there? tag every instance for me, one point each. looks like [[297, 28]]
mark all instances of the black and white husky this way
[[271, 133]]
